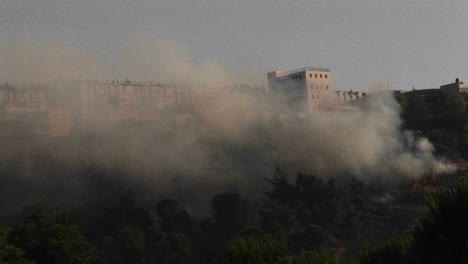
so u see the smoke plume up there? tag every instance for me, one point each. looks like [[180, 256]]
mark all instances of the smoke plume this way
[[235, 140]]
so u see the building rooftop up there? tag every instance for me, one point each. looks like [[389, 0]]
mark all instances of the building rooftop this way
[[285, 73]]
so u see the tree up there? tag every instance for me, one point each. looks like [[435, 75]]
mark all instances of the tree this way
[[131, 240], [283, 193], [308, 257], [390, 251], [416, 106], [455, 103], [53, 238], [10, 254], [173, 217], [442, 236], [265, 249], [177, 248], [358, 215], [230, 213]]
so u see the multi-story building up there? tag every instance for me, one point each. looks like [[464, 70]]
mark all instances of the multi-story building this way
[[304, 89], [307, 90], [112, 102], [61, 107], [23, 109], [26, 100]]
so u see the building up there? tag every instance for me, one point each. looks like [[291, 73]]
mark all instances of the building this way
[[307, 90], [62, 107], [456, 87], [23, 109], [112, 102], [436, 95], [302, 90]]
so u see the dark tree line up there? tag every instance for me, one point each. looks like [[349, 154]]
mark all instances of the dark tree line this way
[[440, 117], [307, 220]]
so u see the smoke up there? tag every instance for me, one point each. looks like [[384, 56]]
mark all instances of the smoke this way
[[367, 142], [235, 140], [143, 58], [31, 61], [148, 58]]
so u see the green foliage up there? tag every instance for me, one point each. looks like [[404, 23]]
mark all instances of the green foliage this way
[[172, 216], [53, 238], [358, 213], [442, 236], [402, 101], [266, 249], [177, 248], [135, 238], [308, 257], [282, 193], [308, 237], [269, 249], [416, 106], [301, 222], [230, 213], [132, 245], [455, 103], [389, 252], [312, 212], [10, 254]]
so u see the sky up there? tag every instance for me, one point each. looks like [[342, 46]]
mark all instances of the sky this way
[[410, 43]]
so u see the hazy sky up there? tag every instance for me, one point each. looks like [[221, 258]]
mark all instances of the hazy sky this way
[[407, 42]]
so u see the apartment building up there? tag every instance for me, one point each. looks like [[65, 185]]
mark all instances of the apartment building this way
[[302, 90]]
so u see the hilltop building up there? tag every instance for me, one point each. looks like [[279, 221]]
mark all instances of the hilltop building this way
[[301, 90], [456, 87], [307, 90], [60, 108], [440, 93]]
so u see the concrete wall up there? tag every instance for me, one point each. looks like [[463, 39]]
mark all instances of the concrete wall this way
[[302, 90], [320, 90]]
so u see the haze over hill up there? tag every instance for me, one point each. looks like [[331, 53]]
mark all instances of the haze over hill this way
[[408, 43]]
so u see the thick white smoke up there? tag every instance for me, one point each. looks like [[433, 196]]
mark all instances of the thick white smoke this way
[[236, 138], [366, 142]]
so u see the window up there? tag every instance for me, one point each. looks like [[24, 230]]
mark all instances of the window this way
[[320, 75], [326, 85], [312, 96], [326, 76], [310, 75], [315, 75]]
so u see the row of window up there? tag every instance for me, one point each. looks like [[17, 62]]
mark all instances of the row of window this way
[[319, 75], [317, 96], [317, 86], [299, 77]]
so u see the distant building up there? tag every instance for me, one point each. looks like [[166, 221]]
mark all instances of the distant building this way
[[432, 95], [457, 87], [59, 108], [23, 109], [114, 102], [304, 89], [307, 90]]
